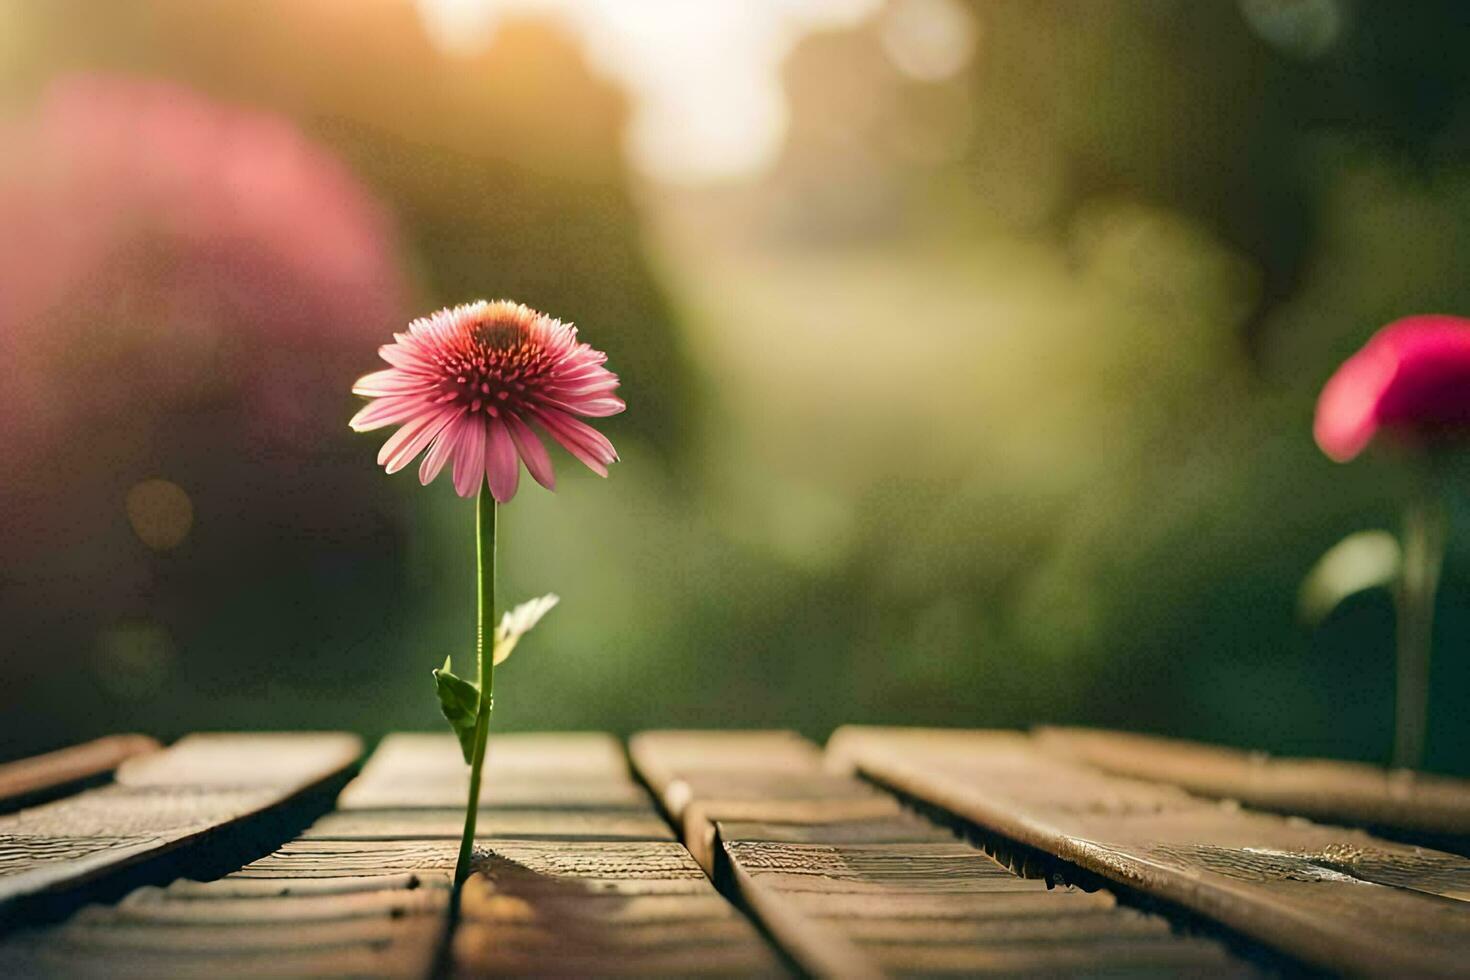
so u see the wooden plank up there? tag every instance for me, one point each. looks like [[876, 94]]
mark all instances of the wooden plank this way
[[576, 871], [851, 884], [595, 887], [159, 804], [403, 813], [581, 770], [1335, 898], [703, 777], [604, 908], [553, 786], [28, 781], [1323, 789], [536, 824], [315, 908], [385, 926]]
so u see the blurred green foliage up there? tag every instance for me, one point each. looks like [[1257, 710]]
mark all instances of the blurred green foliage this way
[[988, 405]]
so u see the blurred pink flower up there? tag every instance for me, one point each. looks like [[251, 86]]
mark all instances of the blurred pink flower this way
[[185, 288], [1412, 377], [163, 250], [466, 382]]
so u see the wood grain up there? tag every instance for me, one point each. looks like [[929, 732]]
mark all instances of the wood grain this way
[[851, 884], [390, 927], [158, 804], [267, 919], [580, 907], [1336, 898], [1323, 789], [30, 780], [772, 777], [598, 885], [561, 771], [536, 824], [576, 871]]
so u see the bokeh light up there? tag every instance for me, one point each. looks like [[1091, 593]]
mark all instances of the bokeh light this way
[[133, 660], [160, 512], [708, 103], [929, 40], [1304, 29]]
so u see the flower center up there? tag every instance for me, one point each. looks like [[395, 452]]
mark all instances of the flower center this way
[[497, 335], [495, 370]]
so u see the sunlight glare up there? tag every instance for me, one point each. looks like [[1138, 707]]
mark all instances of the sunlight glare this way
[[705, 78], [928, 40]]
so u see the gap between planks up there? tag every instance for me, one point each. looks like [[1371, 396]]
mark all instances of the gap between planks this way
[[27, 782], [849, 883], [576, 873], [1417, 807], [202, 803], [1335, 898]]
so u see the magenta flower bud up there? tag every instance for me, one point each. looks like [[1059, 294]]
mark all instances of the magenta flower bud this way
[[1412, 378]]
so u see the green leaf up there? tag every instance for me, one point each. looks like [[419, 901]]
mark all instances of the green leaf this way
[[459, 700], [1361, 561], [518, 622]]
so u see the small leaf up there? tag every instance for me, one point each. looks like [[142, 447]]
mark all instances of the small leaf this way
[[1361, 561], [518, 622], [459, 700]]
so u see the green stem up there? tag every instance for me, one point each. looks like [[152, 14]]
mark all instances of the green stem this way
[[485, 517], [1424, 543]]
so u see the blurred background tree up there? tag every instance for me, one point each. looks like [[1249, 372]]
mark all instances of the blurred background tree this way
[[970, 350]]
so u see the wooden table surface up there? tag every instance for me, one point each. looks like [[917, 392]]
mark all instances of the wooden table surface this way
[[894, 852], [1335, 897]]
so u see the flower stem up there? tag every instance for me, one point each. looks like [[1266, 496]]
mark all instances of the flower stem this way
[[485, 517], [1424, 543]]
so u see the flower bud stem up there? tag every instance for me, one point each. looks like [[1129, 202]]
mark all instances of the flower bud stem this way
[[485, 519], [1424, 544]]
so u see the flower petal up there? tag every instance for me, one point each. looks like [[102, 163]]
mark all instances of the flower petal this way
[[502, 465], [403, 445], [391, 381], [594, 407], [579, 439], [443, 447], [533, 451], [386, 411], [401, 356], [1346, 419], [469, 458], [580, 389]]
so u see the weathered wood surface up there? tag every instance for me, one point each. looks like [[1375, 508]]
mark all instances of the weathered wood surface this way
[[1339, 899], [601, 908], [1344, 792], [561, 771], [54, 772], [776, 777], [240, 926], [576, 871], [375, 906], [850, 884], [551, 786], [158, 803], [519, 824]]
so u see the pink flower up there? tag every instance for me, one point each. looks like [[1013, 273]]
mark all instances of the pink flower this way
[[1412, 377], [165, 252], [207, 275], [466, 384]]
